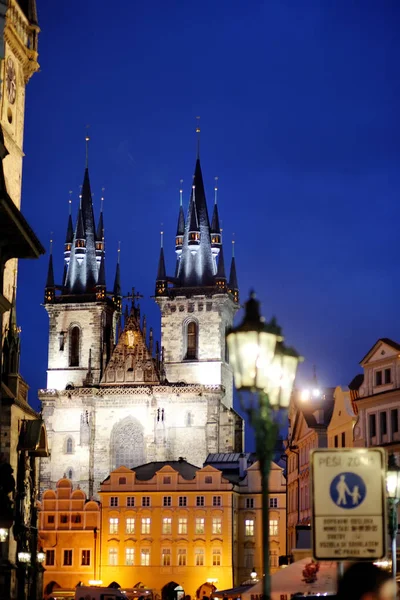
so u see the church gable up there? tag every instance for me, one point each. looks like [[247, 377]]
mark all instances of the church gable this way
[[381, 350], [132, 361]]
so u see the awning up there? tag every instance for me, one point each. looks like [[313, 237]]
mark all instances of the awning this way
[[236, 592]]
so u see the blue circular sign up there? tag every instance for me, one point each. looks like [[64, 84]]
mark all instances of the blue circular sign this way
[[348, 490]]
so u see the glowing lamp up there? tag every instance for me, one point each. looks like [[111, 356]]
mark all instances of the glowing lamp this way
[[40, 556], [393, 480], [24, 557]]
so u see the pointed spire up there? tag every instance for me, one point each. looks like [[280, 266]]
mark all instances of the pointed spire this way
[[100, 225], [180, 229], [117, 295], [220, 277], [50, 289], [194, 229], [233, 287], [161, 281], [101, 281]]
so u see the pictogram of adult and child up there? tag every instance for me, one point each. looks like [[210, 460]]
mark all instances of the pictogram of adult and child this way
[[348, 490]]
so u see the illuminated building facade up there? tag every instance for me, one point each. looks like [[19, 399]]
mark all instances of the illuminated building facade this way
[[116, 397], [169, 526]]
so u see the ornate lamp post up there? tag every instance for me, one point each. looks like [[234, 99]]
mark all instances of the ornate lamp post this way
[[393, 495], [264, 366]]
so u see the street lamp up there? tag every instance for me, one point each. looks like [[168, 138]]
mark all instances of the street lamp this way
[[253, 575], [393, 495], [40, 556], [24, 557], [262, 364], [3, 534]]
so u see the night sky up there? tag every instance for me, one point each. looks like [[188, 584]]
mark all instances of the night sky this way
[[299, 106]]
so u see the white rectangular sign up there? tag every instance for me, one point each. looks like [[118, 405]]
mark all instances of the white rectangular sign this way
[[348, 503]]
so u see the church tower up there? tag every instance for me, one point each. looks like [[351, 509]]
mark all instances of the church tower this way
[[19, 62], [198, 303], [118, 398]]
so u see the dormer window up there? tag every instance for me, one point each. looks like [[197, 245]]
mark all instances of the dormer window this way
[[378, 377], [388, 375]]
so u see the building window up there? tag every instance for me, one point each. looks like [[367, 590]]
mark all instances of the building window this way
[[249, 558], [336, 441], [130, 501], [69, 447], [167, 500], [217, 525], [113, 556], [394, 420], [182, 555], [67, 562], [188, 419], [378, 377], [146, 525], [145, 557], [74, 336], [130, 525], [383, 421], [249, 527], [49, 558], [216, 557], [64, 519], [372, 425], [129, 556], [167, 525], [343, 439], [182, 525], [167, 480], [146, 501], [113, 525], [182, 500], [199, 525], [217, 501], [250, 503], [208, 479], [273, 502], [166, 557], [69, 473], [191, 340], [114, 501], [199, 500], [273, 527], [273, 558], [122, 480], [199, 557], [76, 519], [85, 558], [388, 375], [50, 519]]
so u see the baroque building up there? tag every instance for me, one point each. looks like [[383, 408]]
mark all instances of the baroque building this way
[[115, 398]]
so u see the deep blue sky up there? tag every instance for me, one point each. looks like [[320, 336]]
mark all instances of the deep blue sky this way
[[299, 106]]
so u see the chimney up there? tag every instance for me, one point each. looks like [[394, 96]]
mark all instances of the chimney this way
[[242, 465]]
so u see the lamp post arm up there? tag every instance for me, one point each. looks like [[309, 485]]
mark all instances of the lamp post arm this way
[[266, 431]]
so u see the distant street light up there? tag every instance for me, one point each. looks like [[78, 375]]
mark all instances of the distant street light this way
[[263, 365], [393, 496]]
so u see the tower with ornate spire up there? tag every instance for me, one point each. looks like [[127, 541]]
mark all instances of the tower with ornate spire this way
[[83, 315], [197, 303]]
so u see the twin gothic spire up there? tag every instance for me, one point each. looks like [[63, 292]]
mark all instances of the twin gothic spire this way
[[198, 246], [84, 277]]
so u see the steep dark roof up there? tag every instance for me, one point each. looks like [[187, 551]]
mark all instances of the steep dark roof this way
[[70, 231], [100, 228], [356, 382], [161, 272], [180, 229], [215, 227], [101, 281], [221, 265], [117, 282], [50, 273], [233, 282], [197, 269], [147, 471]]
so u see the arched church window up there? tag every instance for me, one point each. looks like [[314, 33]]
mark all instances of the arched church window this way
[[189, 419], [70, 473], [191, 340], [69, 446], [127, 444], [74, 342]]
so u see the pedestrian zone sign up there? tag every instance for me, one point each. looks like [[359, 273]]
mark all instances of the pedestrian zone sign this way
[[348, 504]]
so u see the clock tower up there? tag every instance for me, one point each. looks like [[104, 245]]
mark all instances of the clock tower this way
[[19, 60]]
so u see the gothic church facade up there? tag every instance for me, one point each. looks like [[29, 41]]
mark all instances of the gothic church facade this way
[[115, 398]]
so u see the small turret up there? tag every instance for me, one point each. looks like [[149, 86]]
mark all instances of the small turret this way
[[220, 278], [215, 230], [80, 240], [233, 287], [161, 281], [101, 282], [117, 295], [194, 229], [180, 230], [68, 238], [100, 235], [50, 289]]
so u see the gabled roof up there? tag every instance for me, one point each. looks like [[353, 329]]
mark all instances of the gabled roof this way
[[186, 470], [384, 340]]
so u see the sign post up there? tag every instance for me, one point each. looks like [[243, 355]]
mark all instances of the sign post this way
[[348, 504]]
